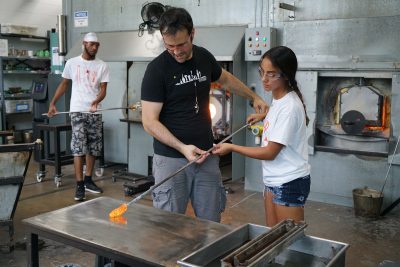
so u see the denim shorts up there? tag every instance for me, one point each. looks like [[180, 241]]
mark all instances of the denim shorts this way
[[291, 194]]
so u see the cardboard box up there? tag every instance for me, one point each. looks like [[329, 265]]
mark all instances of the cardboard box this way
[[18, 29], [3, 47], [16, 106]]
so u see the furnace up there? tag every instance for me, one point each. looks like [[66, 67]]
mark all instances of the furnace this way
[[220, 111], [353, 114]]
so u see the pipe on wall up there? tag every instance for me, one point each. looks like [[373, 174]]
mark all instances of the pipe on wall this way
[[61, 28]]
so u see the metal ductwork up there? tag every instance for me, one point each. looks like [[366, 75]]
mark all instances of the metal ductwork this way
[[61, 29]]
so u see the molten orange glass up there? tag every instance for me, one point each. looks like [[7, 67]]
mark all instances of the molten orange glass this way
[[119, 220], [118, 211]]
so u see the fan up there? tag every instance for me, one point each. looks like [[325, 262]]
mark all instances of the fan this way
[[151, 13]]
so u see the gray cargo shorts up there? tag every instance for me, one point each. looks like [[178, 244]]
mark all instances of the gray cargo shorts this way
[[199, 183]]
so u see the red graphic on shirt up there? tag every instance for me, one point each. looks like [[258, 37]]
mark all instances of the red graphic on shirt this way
[[87, 77], [266, 126], [91, 75]]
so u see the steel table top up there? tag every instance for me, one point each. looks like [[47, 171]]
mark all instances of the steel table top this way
[[150, 236]]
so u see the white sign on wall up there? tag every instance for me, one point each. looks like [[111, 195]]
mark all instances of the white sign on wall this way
[[55, 57], [81, 19]]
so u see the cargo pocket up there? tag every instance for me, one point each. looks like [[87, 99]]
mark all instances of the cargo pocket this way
[[222, 201], [162, 199]]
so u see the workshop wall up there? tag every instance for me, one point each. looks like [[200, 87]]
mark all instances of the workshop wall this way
[[125, 15]]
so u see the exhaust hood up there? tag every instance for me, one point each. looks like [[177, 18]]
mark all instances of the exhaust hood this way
[[223, 42]]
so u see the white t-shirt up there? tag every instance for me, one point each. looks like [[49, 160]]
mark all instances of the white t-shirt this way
[[86, 76], [285, 124]]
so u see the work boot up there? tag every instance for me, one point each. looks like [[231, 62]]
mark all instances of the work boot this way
[[80, 193], [92, 187]]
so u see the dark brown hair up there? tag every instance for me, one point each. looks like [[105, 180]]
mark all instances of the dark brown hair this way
[[175, 19], [285, 59]]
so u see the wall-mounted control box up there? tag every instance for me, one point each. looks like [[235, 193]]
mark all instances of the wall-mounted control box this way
[[258, 41]]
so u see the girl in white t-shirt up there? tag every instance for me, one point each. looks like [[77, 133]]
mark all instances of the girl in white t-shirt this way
[[283, 151]]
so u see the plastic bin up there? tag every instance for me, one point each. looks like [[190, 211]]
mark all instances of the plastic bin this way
[[20, 105]]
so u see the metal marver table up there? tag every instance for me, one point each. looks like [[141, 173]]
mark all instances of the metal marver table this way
[[14, 162], [151, 237]]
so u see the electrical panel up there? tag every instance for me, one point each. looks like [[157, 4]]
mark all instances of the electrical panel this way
[[258, 41]]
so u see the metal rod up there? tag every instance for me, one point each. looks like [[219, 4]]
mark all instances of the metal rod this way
[[21, 147], [390, 164], [244, 199], [99, 110], [185, 166]]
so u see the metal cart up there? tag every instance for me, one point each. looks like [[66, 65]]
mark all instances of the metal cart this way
[[58, 158], [14, 161], [46, 158]]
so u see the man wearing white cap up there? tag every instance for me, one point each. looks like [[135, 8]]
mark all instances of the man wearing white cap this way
[[89, 76]]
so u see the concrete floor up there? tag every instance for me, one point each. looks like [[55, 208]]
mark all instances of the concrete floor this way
[[371, 241]]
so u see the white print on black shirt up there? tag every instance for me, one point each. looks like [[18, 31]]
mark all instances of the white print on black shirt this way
[[187, 78]]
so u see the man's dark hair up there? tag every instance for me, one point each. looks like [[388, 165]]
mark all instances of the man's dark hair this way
[[175, 19]]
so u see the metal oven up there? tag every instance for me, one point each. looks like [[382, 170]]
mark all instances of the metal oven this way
[[353, 113]]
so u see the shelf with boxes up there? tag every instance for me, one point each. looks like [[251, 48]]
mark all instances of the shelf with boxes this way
[[24, 58], [26, 65]]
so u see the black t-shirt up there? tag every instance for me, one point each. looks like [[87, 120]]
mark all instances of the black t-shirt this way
[[175, 85]]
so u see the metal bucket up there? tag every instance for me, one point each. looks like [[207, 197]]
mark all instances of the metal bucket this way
[[367, 202], [28, 137]]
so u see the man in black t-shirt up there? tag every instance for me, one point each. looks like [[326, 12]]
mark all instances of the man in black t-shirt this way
[[175, 111]]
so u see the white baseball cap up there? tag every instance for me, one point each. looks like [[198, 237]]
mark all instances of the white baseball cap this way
[[90, 37]]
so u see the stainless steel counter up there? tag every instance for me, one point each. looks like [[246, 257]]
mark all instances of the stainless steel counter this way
[[150, 237]]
